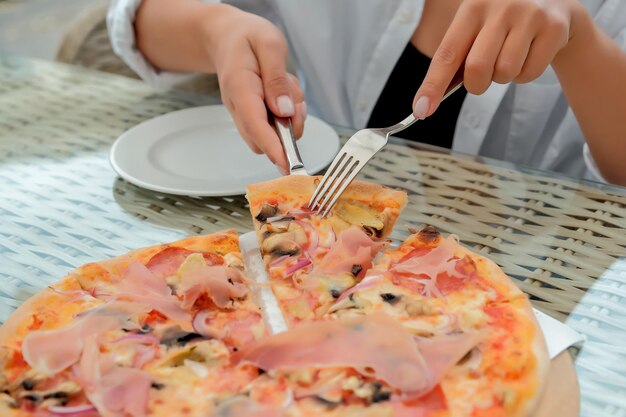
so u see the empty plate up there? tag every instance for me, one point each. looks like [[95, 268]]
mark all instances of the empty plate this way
[[198, 152]]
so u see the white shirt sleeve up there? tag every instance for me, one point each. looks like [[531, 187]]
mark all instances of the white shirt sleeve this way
[[120, 23], [594, 172]]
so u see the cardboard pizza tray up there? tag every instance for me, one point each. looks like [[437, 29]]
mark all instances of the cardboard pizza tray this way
[[561, 396]]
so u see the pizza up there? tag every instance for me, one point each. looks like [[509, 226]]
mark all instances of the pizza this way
[[427, 329]]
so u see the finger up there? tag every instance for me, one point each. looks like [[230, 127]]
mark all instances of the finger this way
[[271, 54], [448, 59], [513, 55], [298, 118], [542, 51], [481, 60], [297, 121], [296, 91], [248, 109]]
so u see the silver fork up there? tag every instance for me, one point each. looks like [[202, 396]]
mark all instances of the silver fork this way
[[353, 156]]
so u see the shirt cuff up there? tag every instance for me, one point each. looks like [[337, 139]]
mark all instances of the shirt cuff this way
[[120, 24], [594, 172]]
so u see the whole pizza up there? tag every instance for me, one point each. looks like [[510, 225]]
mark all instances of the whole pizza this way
[[425, 329]]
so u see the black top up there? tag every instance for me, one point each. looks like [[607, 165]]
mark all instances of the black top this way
[[396, 101]]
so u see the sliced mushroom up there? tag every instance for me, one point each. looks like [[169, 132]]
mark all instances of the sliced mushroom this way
[[298, 234], [390, 298], [472, 359], [359, 214], [279, 227], [174, 335], [267, 210], [280, 245], [330, 403], [356, 269], [208, 352], [57, 395], [428, 234]]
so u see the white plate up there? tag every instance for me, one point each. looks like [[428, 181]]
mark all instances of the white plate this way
[[198, 152]]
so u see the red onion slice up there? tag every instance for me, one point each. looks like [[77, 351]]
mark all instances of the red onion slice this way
[[299, 213], [279, 260], [367, 282], [302, 263], [76, 410], [278, 218]]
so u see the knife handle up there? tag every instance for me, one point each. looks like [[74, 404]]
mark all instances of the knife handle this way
[[283, 128]]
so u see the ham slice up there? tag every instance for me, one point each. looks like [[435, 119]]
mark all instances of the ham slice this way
[[51, 351], [140, 285], [121, 392], [353, 247], [443, 352], [424, 268], [114, 391], [374, 345], [166, 262], [432, 263], [221, 284]]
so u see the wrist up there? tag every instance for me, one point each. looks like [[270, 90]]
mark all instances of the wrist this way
[[583, 35], [210, 24]]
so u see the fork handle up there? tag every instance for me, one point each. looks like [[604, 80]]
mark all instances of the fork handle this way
[[457, 82]]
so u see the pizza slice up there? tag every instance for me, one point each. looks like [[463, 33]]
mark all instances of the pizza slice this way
[[311, 260], [148, 332]]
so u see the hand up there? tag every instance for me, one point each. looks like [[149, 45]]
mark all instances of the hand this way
[[497, 40], [249, 55]]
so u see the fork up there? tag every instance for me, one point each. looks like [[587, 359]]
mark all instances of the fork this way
[[353, 156]]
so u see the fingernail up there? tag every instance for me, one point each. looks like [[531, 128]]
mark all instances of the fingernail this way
[[305, 109], [420, 108], [285, 106]]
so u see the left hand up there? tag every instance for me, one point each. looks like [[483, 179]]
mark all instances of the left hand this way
[[497, 40]]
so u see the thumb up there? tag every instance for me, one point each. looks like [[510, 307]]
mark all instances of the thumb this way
[[271, 52]]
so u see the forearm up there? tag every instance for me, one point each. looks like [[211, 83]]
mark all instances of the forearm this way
[[173, 35], [592, 72]]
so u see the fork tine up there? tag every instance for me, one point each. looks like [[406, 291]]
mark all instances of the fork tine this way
[[345, 185], [336, 167], [335, 181], [341, 183]]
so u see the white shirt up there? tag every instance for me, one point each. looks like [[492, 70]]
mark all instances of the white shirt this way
[[346, 49]]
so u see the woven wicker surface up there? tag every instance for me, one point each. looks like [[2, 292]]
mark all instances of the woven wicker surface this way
[[62, 206]]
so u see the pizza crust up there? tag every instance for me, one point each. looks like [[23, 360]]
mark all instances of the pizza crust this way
[[89, 274], [491, 271], [300, 188]]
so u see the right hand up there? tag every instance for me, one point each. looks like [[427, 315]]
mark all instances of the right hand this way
[[249, 55]]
